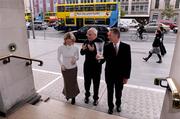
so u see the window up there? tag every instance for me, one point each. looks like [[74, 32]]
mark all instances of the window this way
[[107, 21], [99, 21], [89, 8], [89, 21], [69, 21], [101, 28], [79, 8], [126, 8], [137, 8], [132, 8], [154, 17], [100, 7], [146, 8], [177, 4], [61, 9], [69, 8], [111, 7], [141, 8], [157, 4]]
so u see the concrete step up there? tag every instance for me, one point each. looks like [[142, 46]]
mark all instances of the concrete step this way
[[58, 110]]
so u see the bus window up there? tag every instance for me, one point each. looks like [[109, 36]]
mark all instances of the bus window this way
[[69, 8], [79, 8], [89, 21], [99, 21], [89, 8], [107, 21], [100, 7], [69, 21], [111, 7], [61, 9]]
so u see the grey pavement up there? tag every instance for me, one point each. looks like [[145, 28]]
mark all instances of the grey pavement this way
[[140, 100]]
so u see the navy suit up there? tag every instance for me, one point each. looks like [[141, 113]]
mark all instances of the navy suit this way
[[118, 67]]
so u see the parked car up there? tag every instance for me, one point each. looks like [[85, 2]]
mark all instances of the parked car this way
[[38, 25], [80, 34], [129, 22], [175, 30], [169, 23], [152, 27], [123, 27]]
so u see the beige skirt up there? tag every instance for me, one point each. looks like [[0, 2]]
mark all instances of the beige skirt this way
[[71, 88]]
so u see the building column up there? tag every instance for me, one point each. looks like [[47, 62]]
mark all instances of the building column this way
[[44, 6], [168, 112], [16, 79], [52, 5]]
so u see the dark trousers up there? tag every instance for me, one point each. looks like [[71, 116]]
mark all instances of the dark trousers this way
[[118, 85], [87, 83]]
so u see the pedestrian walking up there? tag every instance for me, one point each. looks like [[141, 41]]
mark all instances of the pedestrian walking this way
[[117, 56], [162, 47], [155, 46], [68, 54], [92, 66]]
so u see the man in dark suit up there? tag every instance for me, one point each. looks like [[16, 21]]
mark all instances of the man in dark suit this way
[[118, 67], [92, 67]]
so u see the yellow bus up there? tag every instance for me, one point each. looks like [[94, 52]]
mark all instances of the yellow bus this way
[[74, 16], [28, 17]]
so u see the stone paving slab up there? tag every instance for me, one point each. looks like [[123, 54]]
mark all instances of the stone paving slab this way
[[137, 102]]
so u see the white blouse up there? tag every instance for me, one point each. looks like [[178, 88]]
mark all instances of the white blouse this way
[[66, 54]]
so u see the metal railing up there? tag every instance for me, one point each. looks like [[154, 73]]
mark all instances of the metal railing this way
[[172, 87], [7, 59]]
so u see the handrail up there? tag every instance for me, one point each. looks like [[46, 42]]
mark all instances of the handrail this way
[[6, 59], [172, 87]]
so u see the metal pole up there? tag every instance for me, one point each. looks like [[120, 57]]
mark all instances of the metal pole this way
[[32, 17]]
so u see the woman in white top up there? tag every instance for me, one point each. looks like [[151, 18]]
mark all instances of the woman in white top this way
[[68, 54]]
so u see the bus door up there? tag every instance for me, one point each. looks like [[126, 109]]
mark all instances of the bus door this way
[[79, 22]]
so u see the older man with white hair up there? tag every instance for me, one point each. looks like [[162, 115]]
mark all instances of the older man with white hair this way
[[92, 66]]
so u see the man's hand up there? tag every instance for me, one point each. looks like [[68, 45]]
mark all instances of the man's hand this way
[[84, 46], [91, 48], [125, 81]]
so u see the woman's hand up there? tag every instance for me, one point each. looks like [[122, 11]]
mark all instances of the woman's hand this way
[[73, 60], [63, 68]]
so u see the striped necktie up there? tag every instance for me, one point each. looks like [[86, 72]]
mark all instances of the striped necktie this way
[[116, 48]]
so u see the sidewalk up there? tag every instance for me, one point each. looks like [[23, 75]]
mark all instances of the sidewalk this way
[[137, 102]]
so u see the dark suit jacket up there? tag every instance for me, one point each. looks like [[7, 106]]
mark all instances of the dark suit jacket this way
[[117, 66], [91, 64]]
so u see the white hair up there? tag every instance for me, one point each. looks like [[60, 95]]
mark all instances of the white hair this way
[[94, 30]]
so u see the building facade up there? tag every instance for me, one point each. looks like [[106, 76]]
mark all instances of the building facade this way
[[138, 9], [157, 6], [41, 6]]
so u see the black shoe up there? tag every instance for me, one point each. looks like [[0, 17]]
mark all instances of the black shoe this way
[[86, 100], [118, 109], [73, 101], [145, 59], [159, 61], [110, 111], [95, 102], [67, 98]]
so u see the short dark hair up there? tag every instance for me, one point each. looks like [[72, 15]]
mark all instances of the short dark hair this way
[[115, 31]]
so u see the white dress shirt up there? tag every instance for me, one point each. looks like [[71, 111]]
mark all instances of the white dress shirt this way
[[66, 54]]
